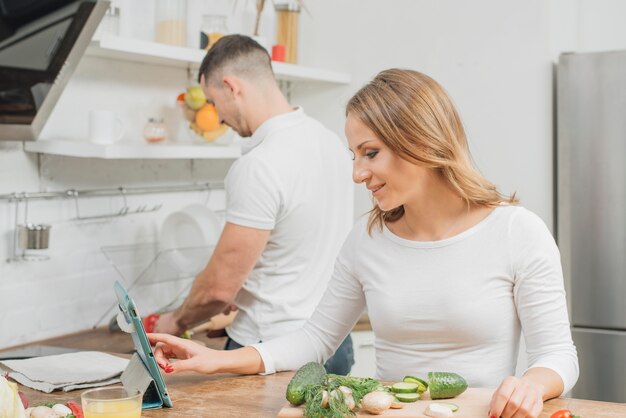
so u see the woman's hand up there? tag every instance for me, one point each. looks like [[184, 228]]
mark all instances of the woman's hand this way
[[517, 398], [191, 355]]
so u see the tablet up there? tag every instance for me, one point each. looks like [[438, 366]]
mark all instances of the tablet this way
[[143, 350]]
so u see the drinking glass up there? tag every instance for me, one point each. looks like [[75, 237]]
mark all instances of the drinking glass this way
[[111, 402]]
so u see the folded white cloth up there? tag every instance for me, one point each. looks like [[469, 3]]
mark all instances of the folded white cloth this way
[[68, 371]]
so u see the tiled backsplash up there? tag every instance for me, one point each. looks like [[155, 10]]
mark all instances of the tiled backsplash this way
[[70, 291]]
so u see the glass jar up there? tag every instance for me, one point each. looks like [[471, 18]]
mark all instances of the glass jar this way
[[171, 22], [212, 29], [155, 130], [287, 14]]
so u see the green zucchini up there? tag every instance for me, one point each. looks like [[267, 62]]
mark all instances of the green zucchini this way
[[310, 374], [453, 407], [421, 385], [445, 385], [407, 397], [404, 387]]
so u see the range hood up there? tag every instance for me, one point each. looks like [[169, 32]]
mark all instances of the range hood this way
[[41, 42]]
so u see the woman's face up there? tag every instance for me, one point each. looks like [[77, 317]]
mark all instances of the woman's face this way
[[392, 180]]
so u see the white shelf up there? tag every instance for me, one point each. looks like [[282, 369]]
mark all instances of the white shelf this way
[[133, 150], [135, 50]]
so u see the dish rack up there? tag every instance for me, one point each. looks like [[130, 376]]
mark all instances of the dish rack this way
[[157, 279]]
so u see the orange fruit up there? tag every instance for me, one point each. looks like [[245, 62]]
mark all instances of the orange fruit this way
[[207, 119]]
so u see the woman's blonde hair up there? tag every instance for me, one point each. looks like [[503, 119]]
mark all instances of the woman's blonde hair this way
[[414, 116]]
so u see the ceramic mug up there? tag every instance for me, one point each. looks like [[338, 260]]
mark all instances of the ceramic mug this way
[[105, 127]]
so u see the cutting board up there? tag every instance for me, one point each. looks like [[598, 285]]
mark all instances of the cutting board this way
[[474, 402]]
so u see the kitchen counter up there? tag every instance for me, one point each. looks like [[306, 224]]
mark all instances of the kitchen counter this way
[[242, 396]]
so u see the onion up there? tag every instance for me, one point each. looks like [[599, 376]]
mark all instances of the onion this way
[[438, 411]]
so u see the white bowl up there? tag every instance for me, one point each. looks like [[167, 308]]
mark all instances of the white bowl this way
[[185, 233]]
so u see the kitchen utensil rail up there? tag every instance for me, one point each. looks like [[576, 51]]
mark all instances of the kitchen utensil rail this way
[[73, 193]]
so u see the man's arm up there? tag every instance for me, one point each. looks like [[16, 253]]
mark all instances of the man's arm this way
[[235, 255]]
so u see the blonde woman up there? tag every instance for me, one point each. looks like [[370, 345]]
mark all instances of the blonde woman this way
[[450, 270]]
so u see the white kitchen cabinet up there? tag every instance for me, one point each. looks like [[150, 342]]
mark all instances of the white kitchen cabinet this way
[[146, 52], [364, 354], [177, 59]]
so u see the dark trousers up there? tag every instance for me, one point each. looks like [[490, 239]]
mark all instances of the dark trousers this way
[[340, 363]]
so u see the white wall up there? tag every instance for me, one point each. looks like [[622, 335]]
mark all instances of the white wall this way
[[493, 56]]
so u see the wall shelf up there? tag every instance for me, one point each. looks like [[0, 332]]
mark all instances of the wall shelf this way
[[135, 50], [133, 150]]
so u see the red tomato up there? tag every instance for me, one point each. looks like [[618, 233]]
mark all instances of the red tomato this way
[[562, 413], [77, 410], [149, 322]]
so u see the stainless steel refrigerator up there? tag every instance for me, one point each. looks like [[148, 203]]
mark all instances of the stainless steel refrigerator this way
[[591, 215]]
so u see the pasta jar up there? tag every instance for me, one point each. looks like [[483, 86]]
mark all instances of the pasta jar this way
[[287, 28], [171, 22]]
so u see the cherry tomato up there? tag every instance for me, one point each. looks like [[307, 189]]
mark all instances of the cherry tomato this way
[[563, 413], [149, 322]]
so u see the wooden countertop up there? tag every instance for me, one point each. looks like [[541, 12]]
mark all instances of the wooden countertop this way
[[242, 396]]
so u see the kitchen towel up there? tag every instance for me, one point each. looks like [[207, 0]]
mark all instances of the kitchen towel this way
[[67, 371]]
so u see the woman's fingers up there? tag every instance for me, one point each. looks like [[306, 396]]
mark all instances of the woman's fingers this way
[[516, 398], [163, 338], [159, 356], [501, 397]]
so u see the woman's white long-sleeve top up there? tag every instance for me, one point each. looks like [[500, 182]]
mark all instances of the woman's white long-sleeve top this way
[[458, 304]]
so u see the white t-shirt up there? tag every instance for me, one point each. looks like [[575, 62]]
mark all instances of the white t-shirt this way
[[457, 304], [295, 180]]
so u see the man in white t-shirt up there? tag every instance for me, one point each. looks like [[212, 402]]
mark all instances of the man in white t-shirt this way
[[288, 207]]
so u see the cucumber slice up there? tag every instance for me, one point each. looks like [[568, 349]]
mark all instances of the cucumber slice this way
[[453, 407], [407, 397], [404, 387], [421, 385]]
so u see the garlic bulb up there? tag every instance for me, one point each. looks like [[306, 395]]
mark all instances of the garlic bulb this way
[[325, 399]]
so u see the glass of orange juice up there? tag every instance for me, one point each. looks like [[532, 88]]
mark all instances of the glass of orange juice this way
[[111, 402]]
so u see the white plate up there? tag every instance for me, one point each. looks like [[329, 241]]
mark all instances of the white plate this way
[[185, 233]]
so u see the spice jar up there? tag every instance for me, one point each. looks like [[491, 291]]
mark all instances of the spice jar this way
[[287, 28], [213, 28], [155, 130], [171, 22]]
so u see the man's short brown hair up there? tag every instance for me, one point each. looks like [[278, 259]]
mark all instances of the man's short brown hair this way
[[236, 54]]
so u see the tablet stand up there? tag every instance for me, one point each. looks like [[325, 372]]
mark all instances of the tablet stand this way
[[137, 377]]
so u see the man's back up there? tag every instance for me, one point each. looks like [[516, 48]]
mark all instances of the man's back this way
[[295, 180]]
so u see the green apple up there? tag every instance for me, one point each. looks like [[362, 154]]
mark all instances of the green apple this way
[[194, 97]]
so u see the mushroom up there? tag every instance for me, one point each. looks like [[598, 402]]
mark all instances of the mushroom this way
[[43, 412], [395, 403], [61, 410], [376, 402], [325, 399]]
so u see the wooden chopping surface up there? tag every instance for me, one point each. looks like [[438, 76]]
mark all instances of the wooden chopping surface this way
[[474, 402]]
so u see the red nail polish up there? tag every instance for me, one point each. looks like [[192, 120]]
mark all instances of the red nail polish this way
[[169, 369]]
